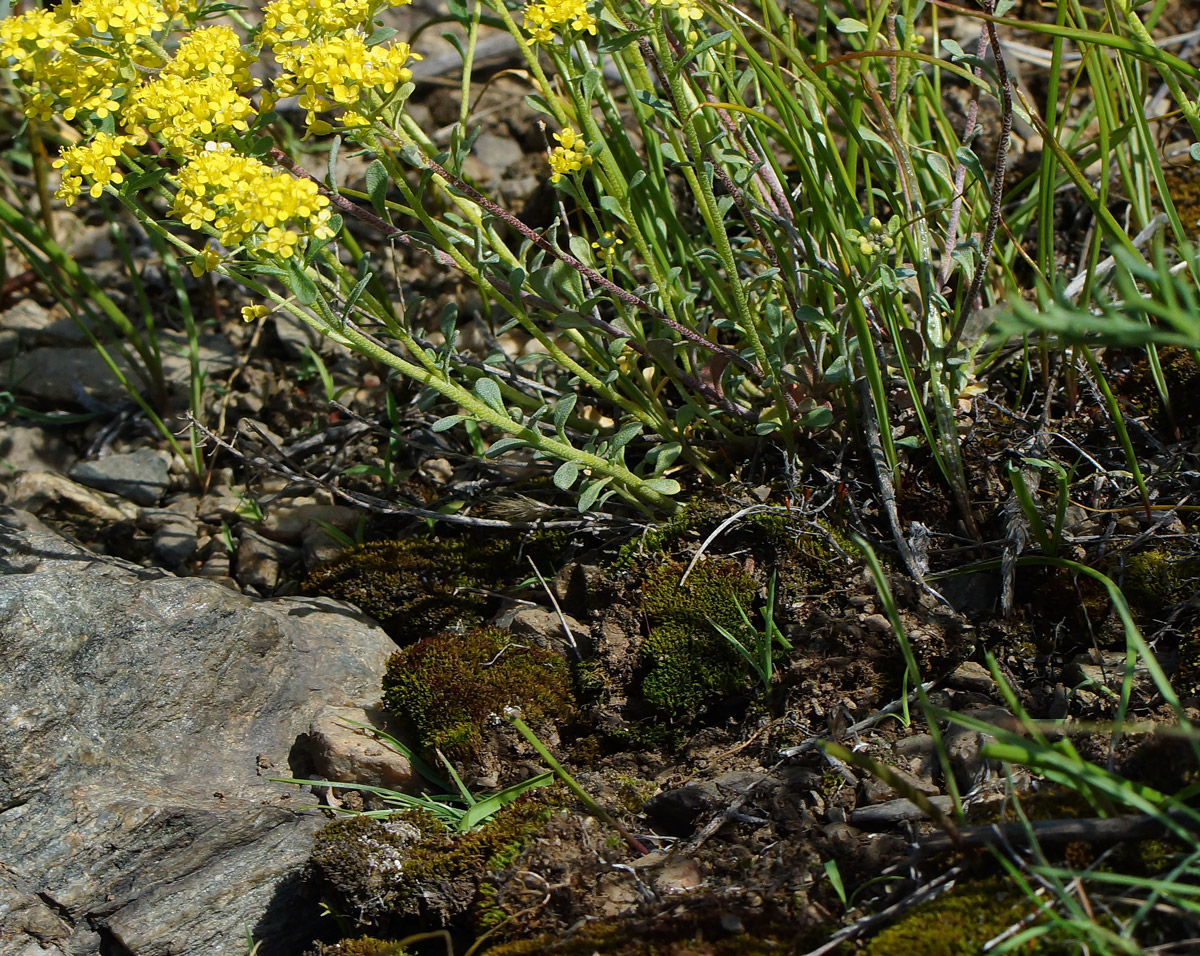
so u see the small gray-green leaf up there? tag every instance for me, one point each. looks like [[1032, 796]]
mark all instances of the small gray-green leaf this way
[[303, 288], [850, 25], [581, 249], [377, 185], [502, 445], [612, 207], [488, 392], [331, 164], [445, 424], [565, 475], [625, 436], [967, 157], [591, 491], [664, 486], [562, 410]]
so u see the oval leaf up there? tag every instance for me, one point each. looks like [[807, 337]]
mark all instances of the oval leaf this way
[[566, 474], [488, 392], [445, 424]]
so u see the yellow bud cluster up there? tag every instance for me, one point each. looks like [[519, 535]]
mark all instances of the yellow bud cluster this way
[[547, 18], [246, 202], [570, 156], [97, 160]]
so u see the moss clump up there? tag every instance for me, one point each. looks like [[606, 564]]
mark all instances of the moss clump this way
[[414, 588], [358, 863], [381, 872], [808, 561], [689, 662], [1181, 376], [674, 937], [959, 923], [1156, 579], [447, 687], [362, 946]]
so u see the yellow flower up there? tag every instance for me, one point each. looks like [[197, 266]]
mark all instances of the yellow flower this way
[[546, 17], [568, 157], [607, 244], [336, 72], [34, 38], [286, 21], [206, 261], [689, 10], [96, 160], [251, 313]]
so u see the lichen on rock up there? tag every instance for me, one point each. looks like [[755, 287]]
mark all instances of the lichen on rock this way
[[383, 873]]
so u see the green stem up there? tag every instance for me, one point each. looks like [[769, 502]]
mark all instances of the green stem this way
[[720, 236]]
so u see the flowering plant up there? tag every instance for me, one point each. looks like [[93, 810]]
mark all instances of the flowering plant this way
[[721, 274]]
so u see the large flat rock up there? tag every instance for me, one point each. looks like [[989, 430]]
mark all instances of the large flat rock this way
[[141, 716]]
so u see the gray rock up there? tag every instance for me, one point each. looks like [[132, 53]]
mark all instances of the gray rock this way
[[317, 547], [29, 319], [141, 476], [42, 492], [28, 447], [971, 676], [498, 152], [346, 754], [141, 712], [294, 335], [1102, 669], [964, 745], [175, 542], [259, 560], [66, 376], [174, 532], [544, 628], [883, 815]]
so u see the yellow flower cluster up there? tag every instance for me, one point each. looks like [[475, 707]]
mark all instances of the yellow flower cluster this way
[[338, 72], [48, 50], [547, 18], [97, 160], [39, 44], [570, 156], [212, 51], [34, 38], [285, 21], [122, 19], [248, 203], [179, 110], [97, 59]]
